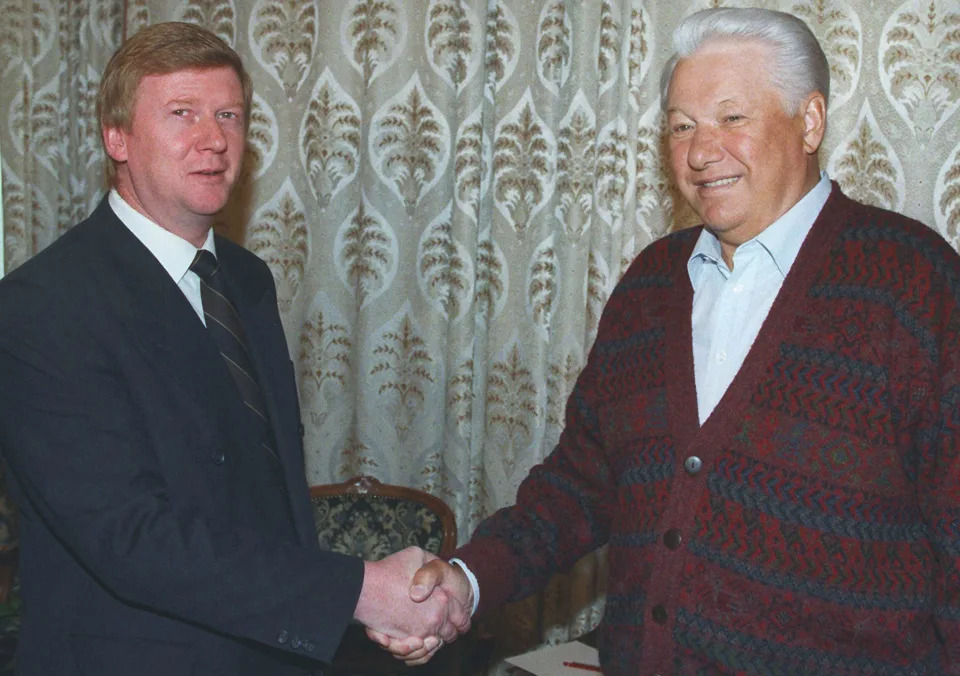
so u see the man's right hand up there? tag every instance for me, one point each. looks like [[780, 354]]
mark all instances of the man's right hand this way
[[436, 578], [393, 617]]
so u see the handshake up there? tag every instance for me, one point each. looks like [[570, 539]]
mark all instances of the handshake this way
[[412, 602]]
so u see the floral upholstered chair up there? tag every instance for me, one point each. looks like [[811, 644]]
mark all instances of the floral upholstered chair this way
[[371, 520]]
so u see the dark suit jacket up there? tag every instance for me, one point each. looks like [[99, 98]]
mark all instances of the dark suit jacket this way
[[141, 551]]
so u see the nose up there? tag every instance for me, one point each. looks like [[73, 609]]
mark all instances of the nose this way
[[704, 148], [211, 136]]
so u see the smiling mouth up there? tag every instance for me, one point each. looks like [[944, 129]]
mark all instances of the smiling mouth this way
[[719, 182]]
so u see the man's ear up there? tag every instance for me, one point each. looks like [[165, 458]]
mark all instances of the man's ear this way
[[115, 141], [814, 122]]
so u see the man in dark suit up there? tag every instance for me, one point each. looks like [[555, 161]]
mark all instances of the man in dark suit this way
[[166, 526]]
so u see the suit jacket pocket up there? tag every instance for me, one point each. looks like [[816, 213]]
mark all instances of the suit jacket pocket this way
[[98, 655]]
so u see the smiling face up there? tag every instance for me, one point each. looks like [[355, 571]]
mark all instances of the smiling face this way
[[179, 159], [737, 157]]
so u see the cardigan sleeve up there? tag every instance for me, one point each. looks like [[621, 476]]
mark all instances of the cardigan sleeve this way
[[565, 504], [561, 513], [925, 373], [938, 446]]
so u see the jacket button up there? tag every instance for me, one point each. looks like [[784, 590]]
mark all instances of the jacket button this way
[[693, 464], [282, 637], [659, 614], [296, 642], [672, 538], [218, 457], [308, 646]]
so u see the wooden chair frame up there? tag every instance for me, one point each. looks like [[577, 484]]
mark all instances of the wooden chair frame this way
[[367, 485]]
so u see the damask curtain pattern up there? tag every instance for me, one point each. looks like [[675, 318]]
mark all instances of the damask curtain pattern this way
[[444, 215], [447, 191], [53, 53]]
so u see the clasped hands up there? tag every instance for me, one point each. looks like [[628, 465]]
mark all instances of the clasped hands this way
[[412, 603]]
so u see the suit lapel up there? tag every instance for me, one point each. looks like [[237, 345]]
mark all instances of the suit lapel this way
[[158, 316]]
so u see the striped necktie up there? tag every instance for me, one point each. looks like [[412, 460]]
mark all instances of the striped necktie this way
[[223, 325]]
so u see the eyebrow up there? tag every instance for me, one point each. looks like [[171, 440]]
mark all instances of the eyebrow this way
[[190, 100]]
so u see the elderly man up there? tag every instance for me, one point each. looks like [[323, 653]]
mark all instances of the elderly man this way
[[767, 431], [149, 414]]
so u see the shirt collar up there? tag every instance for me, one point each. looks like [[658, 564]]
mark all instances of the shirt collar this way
[[782, 239], [174, 253]]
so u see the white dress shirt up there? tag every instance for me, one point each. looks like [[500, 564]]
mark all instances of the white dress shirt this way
[[729, 306], [174, 253]]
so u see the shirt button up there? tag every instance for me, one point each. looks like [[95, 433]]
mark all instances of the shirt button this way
[[721, 357], [693, 465], [659, 614], [672, 538], [738, 288]]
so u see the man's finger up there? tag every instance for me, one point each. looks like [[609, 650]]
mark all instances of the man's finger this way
[[426, 580]]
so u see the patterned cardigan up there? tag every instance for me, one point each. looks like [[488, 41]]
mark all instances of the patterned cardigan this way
[[812, 524]]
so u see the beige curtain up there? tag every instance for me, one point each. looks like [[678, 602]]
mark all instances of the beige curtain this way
[[447, 191], [51, 56]]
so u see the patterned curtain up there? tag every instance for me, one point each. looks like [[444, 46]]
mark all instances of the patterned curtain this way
[[447, 191], [53, 54]]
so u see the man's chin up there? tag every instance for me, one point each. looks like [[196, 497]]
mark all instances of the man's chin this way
[[209, 207]]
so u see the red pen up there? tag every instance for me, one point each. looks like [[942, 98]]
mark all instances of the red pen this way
[[581, 665]]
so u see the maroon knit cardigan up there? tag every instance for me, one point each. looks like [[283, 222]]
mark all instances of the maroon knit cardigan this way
[[812, 524]]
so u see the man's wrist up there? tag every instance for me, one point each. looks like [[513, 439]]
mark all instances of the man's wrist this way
[[472, 579]]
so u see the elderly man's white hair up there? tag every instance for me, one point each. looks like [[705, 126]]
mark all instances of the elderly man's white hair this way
[[798, 66]]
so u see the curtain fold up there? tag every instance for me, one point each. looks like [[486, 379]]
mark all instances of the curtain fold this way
[[53, 55], [447, 192]]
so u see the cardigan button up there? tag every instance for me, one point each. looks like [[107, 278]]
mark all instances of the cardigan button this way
[[672, 538], [693, 465], [659, 614]]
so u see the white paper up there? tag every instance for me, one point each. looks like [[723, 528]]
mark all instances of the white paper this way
[[549, 661]]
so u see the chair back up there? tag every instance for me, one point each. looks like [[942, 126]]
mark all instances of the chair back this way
[[370, 519]]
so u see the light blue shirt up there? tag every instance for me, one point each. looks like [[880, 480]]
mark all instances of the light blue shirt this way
[[730, 306]]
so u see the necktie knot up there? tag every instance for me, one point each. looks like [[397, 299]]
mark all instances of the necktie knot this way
[[205, 265]]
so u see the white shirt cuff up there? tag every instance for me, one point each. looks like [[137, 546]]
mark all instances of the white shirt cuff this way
[[473, 583]]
